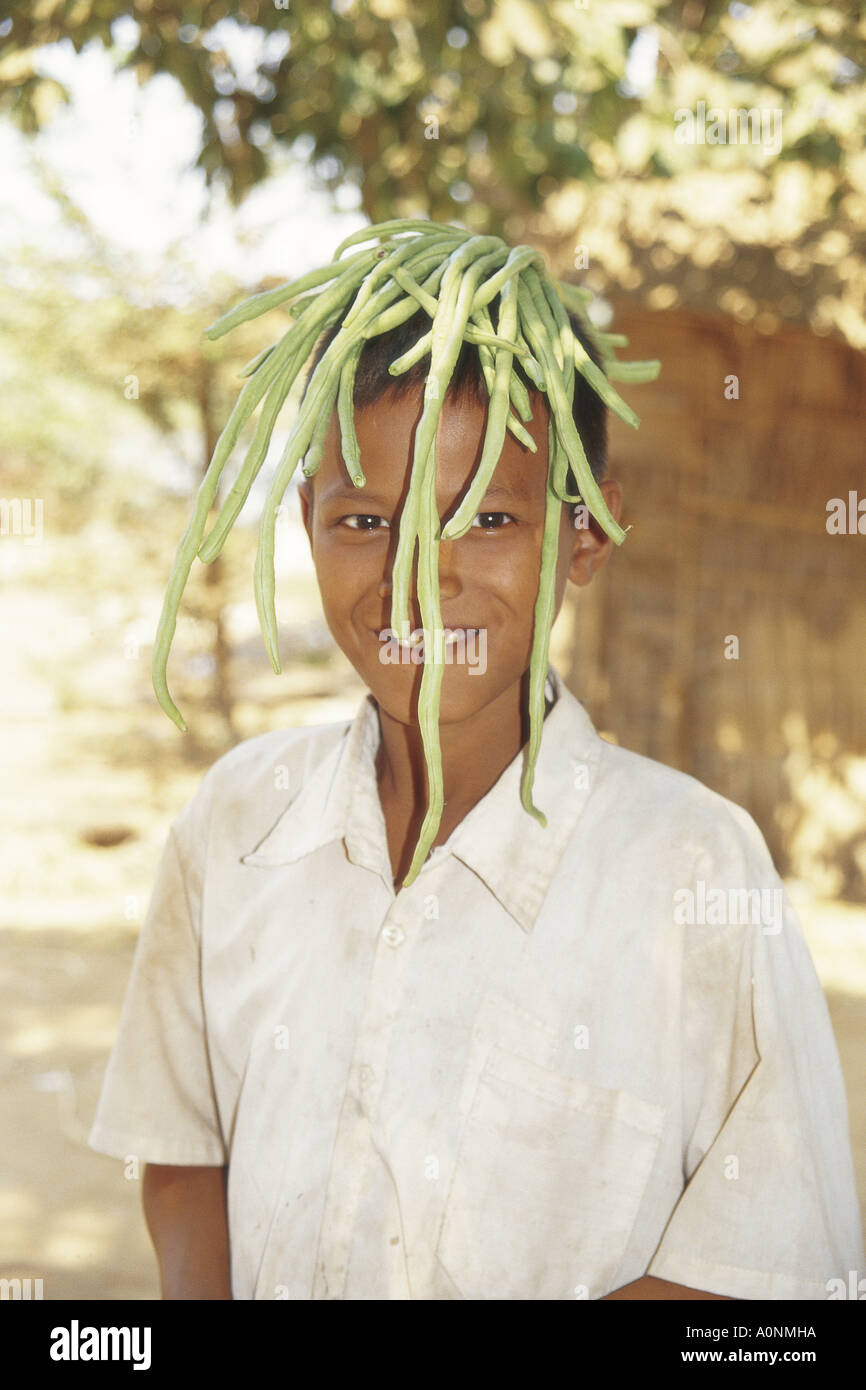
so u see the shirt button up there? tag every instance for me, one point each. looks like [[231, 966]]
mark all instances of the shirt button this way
[[365, 1076], [393, 935]]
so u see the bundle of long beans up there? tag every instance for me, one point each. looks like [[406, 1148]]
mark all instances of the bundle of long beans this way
[[452, 275]]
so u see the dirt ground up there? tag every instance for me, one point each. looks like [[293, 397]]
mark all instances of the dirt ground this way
[[93, 775]]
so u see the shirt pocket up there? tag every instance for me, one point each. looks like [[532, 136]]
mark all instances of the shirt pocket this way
[[548, 1179]]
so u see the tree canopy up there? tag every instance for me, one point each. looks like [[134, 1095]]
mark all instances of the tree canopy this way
[[560, 120]]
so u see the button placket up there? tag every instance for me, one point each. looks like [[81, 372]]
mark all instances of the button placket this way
[[382, 1007], [355, 1155]]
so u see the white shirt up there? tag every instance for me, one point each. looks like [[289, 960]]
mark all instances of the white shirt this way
[[561, 1059]]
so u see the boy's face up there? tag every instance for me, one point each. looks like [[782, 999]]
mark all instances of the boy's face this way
[[488, 578]]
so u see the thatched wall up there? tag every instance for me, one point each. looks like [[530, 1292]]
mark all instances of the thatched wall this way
[[728, 500]]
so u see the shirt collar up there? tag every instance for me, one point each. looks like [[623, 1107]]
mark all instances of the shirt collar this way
[[498, 840]]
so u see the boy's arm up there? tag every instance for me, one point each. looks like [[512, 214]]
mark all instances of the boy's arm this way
[[651, 1288], [762, 1082], [185, 1212]]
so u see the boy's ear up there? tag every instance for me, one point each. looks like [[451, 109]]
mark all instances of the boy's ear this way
[[591, 547]]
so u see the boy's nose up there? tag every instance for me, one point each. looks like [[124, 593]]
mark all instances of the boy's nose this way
[[384, 591], [449, 582]]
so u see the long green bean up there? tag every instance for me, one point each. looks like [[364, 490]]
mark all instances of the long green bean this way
[[255, 457], [407, 282], [289, 358], [246, 403], [255, 362], [494, 438], [395, 226], [573, 296], [592, 494], [543, 622], [431, 677], [530, 365], [519, 394], [259, 304], [386, 266], [632, 371], [558, 322], [465, 265], [487, 360], [611, 340], [602, 387], [519, 257], [533, 286], [346, 414]]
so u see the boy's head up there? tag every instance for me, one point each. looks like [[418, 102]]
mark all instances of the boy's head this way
[[477, 454], [488, 577]]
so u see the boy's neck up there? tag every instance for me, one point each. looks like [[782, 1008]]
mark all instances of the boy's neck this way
[[475, 752]]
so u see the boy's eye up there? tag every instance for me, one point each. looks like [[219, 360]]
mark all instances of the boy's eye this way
[[362, 521], [369, 521]]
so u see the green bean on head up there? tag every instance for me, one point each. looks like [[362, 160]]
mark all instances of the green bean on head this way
[[453, 281]]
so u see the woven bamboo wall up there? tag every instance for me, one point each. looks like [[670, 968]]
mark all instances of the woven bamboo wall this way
[[728, 501]]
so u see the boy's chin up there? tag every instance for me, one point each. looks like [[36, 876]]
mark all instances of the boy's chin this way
[[463, 693]]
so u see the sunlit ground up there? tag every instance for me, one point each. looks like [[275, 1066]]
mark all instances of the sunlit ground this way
[[94, 773]]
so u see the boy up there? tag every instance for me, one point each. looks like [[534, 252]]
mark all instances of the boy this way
[[590, 1059]]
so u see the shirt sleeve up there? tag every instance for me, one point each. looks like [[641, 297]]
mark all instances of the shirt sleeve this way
[[769, 1208], [157, 1100]]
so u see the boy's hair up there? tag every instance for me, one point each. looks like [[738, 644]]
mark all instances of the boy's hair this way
[[373, 380]]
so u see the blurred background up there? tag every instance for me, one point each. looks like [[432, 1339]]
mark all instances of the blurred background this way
[[160, 162]]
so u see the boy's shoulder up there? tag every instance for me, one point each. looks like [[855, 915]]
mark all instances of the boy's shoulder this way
[[255, 757], [700, 857], [258, 778], [661, 804]]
